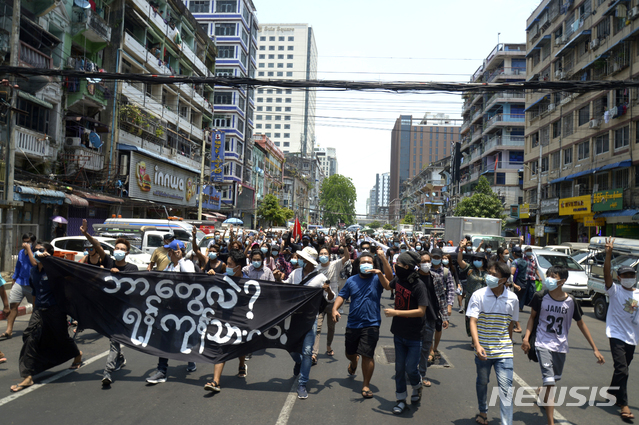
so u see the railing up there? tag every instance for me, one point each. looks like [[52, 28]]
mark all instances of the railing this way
[[31, 143], [34, 57], [94, 21], [504, 141], [464, 126], [521, 72], [476, 115], [504, 95], [505, 118], [87, 158]]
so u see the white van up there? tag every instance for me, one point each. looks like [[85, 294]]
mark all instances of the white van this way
[[180, 228]]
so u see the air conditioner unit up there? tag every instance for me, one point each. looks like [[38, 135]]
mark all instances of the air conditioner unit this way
[[594, 123], [551, 107], [563, 75], [594, 44], [634, 13], [558, 73], [73, 141]]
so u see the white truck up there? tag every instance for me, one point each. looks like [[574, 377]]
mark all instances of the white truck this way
[[478, 229]]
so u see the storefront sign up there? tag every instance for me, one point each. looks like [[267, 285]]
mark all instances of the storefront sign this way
[[211, 198], [629, 230], [217, 156], [154, 180], [550, 229], [608, 200], [549, 206], [514, 211], [524, 211], [579, 205], [591, 221]]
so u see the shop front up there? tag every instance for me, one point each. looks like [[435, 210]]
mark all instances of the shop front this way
[[579, 209], [550, 211], [614, 219]]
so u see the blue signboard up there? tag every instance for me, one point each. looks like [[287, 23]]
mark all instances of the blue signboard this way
[[211, 198], [217, 157]]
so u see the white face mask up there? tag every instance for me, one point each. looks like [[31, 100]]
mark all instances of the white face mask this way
[[425, 267], [627, 282]]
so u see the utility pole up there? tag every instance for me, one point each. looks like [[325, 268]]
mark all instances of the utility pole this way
[[199, 208], [538, 215]]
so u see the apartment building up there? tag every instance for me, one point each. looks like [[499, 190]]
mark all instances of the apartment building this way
[[268, 168], [287, 116], [422, 195], [585, 183], [328, 160], [492, 133]]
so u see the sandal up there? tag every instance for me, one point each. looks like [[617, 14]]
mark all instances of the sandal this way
[[437, 354], [212, 386], [351, 372], [481, 420], [426, 383], [627, 416], [5, 335], [367, 394], [76, 365], [18, 388], [431, 358], [242, 371], [330, 353], [399, 407], [313, 360], [415, 397]]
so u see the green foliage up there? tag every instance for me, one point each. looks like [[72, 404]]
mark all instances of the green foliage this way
[[409, 218], [337, 198], [375, 225], [388, 226], [271, 211], [484, 203]]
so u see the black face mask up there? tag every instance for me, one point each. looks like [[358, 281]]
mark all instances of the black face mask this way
[[341, 251], [403, 273], [305, 242]]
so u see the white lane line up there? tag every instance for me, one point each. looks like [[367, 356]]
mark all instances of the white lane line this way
[[285, 413], [559, 418], [53, 378]]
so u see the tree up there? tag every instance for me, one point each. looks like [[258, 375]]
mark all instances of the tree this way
[[375, 225], [408, 218], [388, 226], [271, 211], [337, 198], [483, 203]]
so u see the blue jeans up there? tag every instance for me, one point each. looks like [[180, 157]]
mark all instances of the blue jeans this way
[[427, 342], [504, 372], [407, 353], [305, 357]]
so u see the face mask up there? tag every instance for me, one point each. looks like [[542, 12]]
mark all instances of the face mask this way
[[492, 281], [418, 248], [275, 253], [403, 250], [365, 268], [293, 261], [425, 267], [396, 243], [323, 259], [300, 262], [489, 250], [437, 262], [627, 282], [212, 255], [551, 283], [264, 250], [230, 272], [469, 249], [217, 237], [478, 263], [119, 255], [86, 253], [445, 262], [403, 273], [528, 254], [257, 264]]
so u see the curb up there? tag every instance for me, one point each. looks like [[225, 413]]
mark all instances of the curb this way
[[25, 309]]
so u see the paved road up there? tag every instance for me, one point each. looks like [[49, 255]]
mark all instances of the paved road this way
[[265, 397]]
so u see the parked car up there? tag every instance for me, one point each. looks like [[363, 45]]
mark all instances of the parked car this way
[[577, 283], [75, 244]]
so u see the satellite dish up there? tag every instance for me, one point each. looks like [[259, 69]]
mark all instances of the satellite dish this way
[[84, 4], [95, 140]]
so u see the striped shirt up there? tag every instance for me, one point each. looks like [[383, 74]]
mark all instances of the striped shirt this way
[[494, 315]]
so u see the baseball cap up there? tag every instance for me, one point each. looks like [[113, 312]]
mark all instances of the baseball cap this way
[[625, 269], [436, 251], [517, 249], [175, 245], [169, 237]]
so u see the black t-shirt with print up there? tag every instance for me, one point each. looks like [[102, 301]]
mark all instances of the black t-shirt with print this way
[[409, 296]]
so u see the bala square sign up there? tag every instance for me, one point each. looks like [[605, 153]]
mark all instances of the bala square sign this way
[[154, 180]]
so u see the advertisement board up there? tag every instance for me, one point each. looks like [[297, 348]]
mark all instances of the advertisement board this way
[[578, 205], [608, 200], [217, 156]]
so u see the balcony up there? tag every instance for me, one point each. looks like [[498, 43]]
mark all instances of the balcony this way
[[34, 58], [86, 158], [504, 119], [135, 48], [91, 26], [476, 115], [504, 141], [505, 97], [507, 73], [89, 94], [32, 143], [465, 126]]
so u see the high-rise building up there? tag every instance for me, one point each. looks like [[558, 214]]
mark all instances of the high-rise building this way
[[371, 202], [233, 24], [416, 143], [492, 133], [287, 116], [328, 159], [585, 182]]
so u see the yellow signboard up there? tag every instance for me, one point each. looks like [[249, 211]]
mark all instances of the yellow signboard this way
[[579, 205], [524, 211], [591, 221]]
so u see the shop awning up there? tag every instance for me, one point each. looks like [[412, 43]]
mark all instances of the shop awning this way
[[582, 173], [535, 102], [559, 180], [572, 41], [620, 164], [30, 194], [622, 213], [76, 201], [124, 147], [560, 221], [31, 98], [101, 198]]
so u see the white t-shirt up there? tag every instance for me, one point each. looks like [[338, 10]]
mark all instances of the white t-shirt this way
[[332, 271], [184, 266], [622, 321]]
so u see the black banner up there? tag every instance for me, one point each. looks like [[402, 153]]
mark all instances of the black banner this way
[[185, 316]]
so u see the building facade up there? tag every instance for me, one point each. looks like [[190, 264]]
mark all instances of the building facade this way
[[307, 172], [585, 182], [423, 196], [328, 160], [492, 133], [415, 144], [287, 116], [269, 170]]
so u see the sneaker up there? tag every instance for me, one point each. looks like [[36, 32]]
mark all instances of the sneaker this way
[[157, 378], [461, 311], [106, 381], [248, 357], [190, 368], [302, 394], [120, 364], [297, 368]]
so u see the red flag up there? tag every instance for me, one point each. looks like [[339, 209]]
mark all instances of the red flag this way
[[496, 161], [297, 229]]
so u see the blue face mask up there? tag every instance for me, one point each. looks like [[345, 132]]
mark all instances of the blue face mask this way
[[436, 262], [492, 281], [217, 237], [119, 255], [300, 263], [365, 268], [293, 261], [275, 253], [445, 262], [551, 283], [257, 264], [323, 259], [478, 263], [418, 248], [396, 243], [86, 253], [264, 250], [212, 255], [230, 272]]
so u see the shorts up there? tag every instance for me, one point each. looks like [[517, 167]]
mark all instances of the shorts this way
[[362, 341], [18, 292], [551, 364]]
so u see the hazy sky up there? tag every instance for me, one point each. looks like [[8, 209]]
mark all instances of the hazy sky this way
[[406, 40]]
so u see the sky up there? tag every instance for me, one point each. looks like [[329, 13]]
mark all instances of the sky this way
[[408, 40]]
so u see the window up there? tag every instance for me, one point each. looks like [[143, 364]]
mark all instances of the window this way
[[286, 145], [223, 98], [278, 109], [280, 56], [260, 65], [269, 108], [196, 6], [601, 181], [269, 117], [37, 117], [262, 47], [260, 74], [583, 150], [259, 109], [281, 38], [258, 117], [270, 74], [271, 38], [226, 51], [289, 74], [277, 135], [271, 65], [268, 126], [568, 156], [287, 109], [289, 57], [278, 144], [584, 115], [278, 118], [225, 29], [533, 168], [287, 117], [269, 100], [603, 29], [622, 137], [280, 47], [288, 100], [622, 179], [278, 126], [221, 121], [271, 56], [556, 129], [280, 74], [287, 135], [290, 47], [262, 38], [258, 126], [556, 160], [271, 47], [262, 56], [287, 127], [226, 6], [291, 38], [567, 121], [278, 100], [601, 144]]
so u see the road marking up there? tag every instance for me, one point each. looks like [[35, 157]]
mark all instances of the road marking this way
[[285, 413], [53, 378], [559, 418]]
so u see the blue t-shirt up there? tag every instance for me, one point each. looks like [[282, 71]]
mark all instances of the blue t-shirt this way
[[365, 295], [41, 287]]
